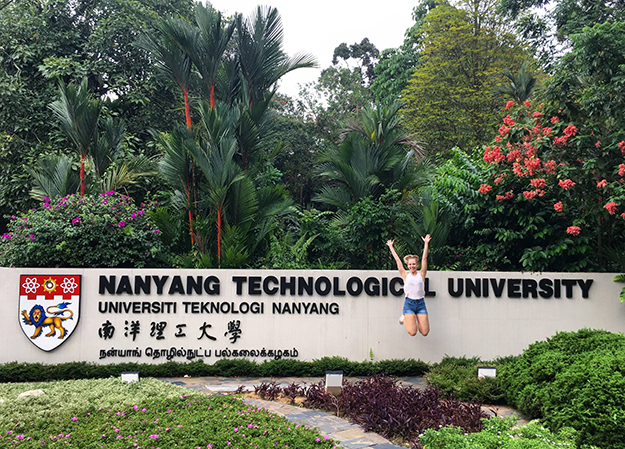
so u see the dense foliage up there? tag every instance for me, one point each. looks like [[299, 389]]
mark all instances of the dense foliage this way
[[380, 405], [573, 379], [36, 372], [500, 433], [107, 229], [450, 99], [458, 376]]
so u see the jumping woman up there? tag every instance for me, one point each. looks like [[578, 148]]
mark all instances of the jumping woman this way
[[415, 314]]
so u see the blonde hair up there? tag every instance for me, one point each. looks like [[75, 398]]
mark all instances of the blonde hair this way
[[411, 256]]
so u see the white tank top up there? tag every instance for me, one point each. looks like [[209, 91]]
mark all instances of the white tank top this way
[[414, 287]]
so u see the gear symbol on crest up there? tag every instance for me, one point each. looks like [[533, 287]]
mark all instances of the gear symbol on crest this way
[[49, 285]]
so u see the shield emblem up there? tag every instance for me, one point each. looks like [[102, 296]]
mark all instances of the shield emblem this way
[[49, 308]]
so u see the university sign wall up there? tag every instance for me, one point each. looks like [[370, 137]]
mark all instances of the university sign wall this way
[[154, 316]]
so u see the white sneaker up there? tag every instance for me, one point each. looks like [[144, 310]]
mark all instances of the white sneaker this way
[[401, 320]]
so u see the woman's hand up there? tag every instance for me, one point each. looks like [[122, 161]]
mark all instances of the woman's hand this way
[[390, 243], [427, 238]]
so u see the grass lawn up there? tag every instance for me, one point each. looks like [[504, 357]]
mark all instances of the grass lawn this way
[[146, 414]]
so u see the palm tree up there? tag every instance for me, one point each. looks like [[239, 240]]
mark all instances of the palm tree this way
[[170, 46], [78, 113], [53, 176], [375, 155], [207, 51], [520, 86]]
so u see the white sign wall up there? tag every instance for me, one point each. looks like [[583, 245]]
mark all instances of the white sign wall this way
[[157, 315]]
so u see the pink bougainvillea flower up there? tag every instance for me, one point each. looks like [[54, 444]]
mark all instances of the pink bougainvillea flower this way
[[611, 207], [573, 230], [121, 224], [566, 183], [558, 206], [76, 220]]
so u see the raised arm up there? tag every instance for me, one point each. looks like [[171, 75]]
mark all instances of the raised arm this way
[[424, 258], [400, 264]]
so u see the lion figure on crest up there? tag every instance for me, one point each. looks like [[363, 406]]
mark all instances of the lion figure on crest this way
[[37, 317]]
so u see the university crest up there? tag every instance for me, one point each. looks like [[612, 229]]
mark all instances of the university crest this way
[[49, 308]]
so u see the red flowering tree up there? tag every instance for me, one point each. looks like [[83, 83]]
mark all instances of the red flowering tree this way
[[564, 183]]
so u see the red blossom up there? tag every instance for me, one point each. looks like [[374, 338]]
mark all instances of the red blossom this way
[[532, 165], [558, 206], [537, 114], [601, 184], [621, 170], [546, 131], [509, 121], [570, 131], [560, 140], [497, 138], [509, 104], [503, 130], [621, 146], [550, 167], [513, 155], [527, 103], [555, 119], [509, 194], [566, 184], [485, 188], [518, 169], [611, 207], [493, 155], [623, 215], [573, 230], [529, 194], [598, 144], [538, 183]]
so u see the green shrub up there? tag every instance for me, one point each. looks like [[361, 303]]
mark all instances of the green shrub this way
[[458, 376], [36, 372], [105, 230], [573, 379], [498, 433]]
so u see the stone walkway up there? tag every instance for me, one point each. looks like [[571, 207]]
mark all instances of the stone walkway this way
[[349, 435]]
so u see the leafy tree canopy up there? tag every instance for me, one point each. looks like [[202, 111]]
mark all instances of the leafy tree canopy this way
[[449, 100]]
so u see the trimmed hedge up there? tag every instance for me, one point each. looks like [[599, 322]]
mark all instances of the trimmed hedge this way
[[36, 372]]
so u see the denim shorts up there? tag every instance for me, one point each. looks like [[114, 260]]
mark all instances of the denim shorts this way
[[415, 307]]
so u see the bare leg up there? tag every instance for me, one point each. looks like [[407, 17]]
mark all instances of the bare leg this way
[[410, 322], [423, 324]]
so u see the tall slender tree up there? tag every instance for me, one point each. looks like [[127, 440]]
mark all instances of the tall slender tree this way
[[78, 113]]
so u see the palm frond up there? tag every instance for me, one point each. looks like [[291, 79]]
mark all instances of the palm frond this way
[[53, 176]]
